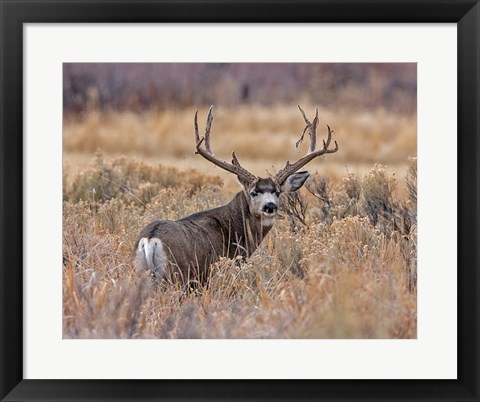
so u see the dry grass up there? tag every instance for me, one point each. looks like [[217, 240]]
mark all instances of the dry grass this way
[[342, 264], [255, 133], [127, 179]]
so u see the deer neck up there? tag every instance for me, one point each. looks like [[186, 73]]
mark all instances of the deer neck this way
[[246, 231]]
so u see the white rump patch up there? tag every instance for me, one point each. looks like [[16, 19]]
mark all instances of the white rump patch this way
[[151, 256]]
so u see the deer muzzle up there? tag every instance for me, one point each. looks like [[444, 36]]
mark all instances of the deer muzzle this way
[[270, 208]]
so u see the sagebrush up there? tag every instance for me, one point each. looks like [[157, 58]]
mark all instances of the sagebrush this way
[[341, 264]]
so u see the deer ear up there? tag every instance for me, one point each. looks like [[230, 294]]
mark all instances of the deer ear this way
[[245, 183], [295, 181]]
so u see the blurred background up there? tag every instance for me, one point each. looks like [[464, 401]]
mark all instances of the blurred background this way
[[145, 111]]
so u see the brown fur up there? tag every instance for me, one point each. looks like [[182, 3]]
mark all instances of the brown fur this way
[[195, 242]]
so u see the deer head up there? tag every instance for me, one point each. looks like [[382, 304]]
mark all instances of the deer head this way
[[262, 194]]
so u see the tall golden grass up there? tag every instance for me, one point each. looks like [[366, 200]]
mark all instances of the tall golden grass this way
[[341, 264], [254, 132]]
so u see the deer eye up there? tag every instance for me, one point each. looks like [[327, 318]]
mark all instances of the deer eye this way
[[253, 193], [277, 193]]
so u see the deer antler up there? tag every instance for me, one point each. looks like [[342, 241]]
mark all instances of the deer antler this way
[[207, 153], [283, 174]]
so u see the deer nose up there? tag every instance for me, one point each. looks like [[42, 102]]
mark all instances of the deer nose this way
[[270, 208]]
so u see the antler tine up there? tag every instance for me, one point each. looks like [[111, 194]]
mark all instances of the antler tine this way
[[312, 130], [207, 153], [329, 138], [197, 136], [313, 133], [208, 126], [304, 115], [289, 169]]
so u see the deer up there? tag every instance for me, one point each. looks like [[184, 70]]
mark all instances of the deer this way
[[183, 250]]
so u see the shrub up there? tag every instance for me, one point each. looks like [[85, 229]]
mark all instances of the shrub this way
[[129, 180], [347, 271]]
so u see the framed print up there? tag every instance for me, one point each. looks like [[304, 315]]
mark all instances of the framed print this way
[[332, 256]]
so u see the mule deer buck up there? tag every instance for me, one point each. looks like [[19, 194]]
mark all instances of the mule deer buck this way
[[184, 250]]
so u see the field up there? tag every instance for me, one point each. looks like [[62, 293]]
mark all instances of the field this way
[[340, 264]]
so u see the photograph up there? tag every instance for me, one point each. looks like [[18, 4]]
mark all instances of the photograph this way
[[239, 200]]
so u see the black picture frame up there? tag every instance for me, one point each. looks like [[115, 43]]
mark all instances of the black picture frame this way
[[14, 13]]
